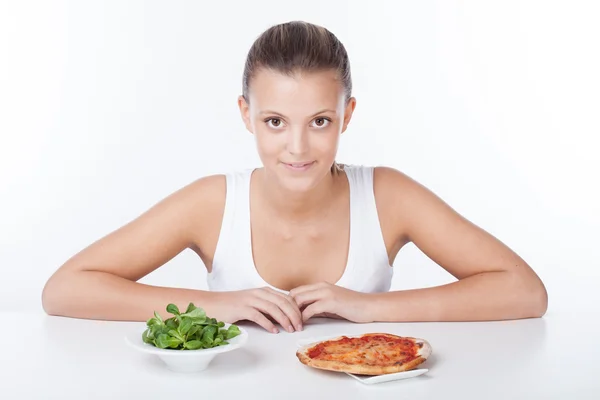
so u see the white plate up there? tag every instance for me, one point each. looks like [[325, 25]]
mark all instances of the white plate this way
[[368, 379], [185, 360]]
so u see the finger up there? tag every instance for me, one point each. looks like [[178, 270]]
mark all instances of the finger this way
[[252, 314], [274, 311], [319, 307], [306, 298], [287, 297], [305, 288], [288, 305], [327, 315]]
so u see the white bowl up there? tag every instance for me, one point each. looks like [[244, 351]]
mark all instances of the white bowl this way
[[186, 360]]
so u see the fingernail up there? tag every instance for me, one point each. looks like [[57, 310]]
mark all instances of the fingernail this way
[[275, 330], [300, 327], [290, 328]]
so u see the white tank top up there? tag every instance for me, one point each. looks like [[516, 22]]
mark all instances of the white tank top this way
[[367, 269]]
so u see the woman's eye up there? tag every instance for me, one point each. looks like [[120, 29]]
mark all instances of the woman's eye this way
[[274, 122], [322, 122]]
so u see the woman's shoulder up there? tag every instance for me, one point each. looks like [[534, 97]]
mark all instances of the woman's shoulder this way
[[387, 181], [408, 204], [207, 190], [398, 196], [394, 186], [201, 200]]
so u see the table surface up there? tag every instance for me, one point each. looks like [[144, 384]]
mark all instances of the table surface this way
[[556, 356]]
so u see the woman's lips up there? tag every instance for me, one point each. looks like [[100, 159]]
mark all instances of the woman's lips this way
[[299, 166]]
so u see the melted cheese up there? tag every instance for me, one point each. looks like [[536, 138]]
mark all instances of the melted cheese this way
[[371, 350]]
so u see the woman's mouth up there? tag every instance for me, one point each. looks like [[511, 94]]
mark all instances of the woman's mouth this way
[[299, 166]]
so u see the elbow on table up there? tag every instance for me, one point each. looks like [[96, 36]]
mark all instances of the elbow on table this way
[[52, 296], [541, 296], [534, 299]]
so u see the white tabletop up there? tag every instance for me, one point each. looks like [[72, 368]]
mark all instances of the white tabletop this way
[[61, 358]]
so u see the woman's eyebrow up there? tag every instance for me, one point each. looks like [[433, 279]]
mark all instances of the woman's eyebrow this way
[[271, 112], [281, 115], [323, 112]]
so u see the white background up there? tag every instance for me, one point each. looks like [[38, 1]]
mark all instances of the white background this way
[[106, 107]]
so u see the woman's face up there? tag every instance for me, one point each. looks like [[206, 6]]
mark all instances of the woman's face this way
[[297, 121]]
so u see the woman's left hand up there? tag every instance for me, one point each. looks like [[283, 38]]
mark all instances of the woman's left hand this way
[[326, 299]]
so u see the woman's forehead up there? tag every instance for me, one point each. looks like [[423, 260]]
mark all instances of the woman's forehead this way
[[311, 90]]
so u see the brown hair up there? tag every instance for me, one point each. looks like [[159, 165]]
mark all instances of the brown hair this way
[[298, 46]]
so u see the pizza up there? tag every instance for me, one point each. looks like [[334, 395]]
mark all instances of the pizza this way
[[366, 354]]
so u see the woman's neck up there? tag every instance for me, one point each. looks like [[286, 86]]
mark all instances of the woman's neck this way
[[300, 206]]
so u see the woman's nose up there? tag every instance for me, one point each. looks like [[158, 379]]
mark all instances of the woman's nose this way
[[297, 141]]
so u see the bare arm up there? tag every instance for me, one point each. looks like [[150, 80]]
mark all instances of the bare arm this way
[[493, 283], [100, 281]]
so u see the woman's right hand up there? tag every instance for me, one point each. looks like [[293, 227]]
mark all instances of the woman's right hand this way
[[262, 306]]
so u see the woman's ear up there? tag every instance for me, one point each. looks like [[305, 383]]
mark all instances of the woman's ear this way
[[245, 112], [350, 106]]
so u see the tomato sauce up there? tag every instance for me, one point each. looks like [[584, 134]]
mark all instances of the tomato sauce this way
[[403, 350]]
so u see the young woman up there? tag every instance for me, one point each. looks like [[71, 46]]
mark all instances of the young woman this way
[[301, 236]]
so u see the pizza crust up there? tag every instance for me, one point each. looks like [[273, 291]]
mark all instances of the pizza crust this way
[[422, 354]]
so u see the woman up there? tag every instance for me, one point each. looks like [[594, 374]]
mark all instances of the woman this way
[[301, 236]]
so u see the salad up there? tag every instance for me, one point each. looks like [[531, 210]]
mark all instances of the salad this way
[[191, 330]]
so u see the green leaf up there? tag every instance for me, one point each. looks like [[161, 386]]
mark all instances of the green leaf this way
[[176, 334], [172, 308], [190, 308], [193, 330], [145, 337], [162, 341], [232, 331], [196, 313], [171, 323], [152, 322], [173, 342], [193, 345], [209, 334], [163, 329], [158, 317], [150, 334], [185, 326], [221, 324]]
